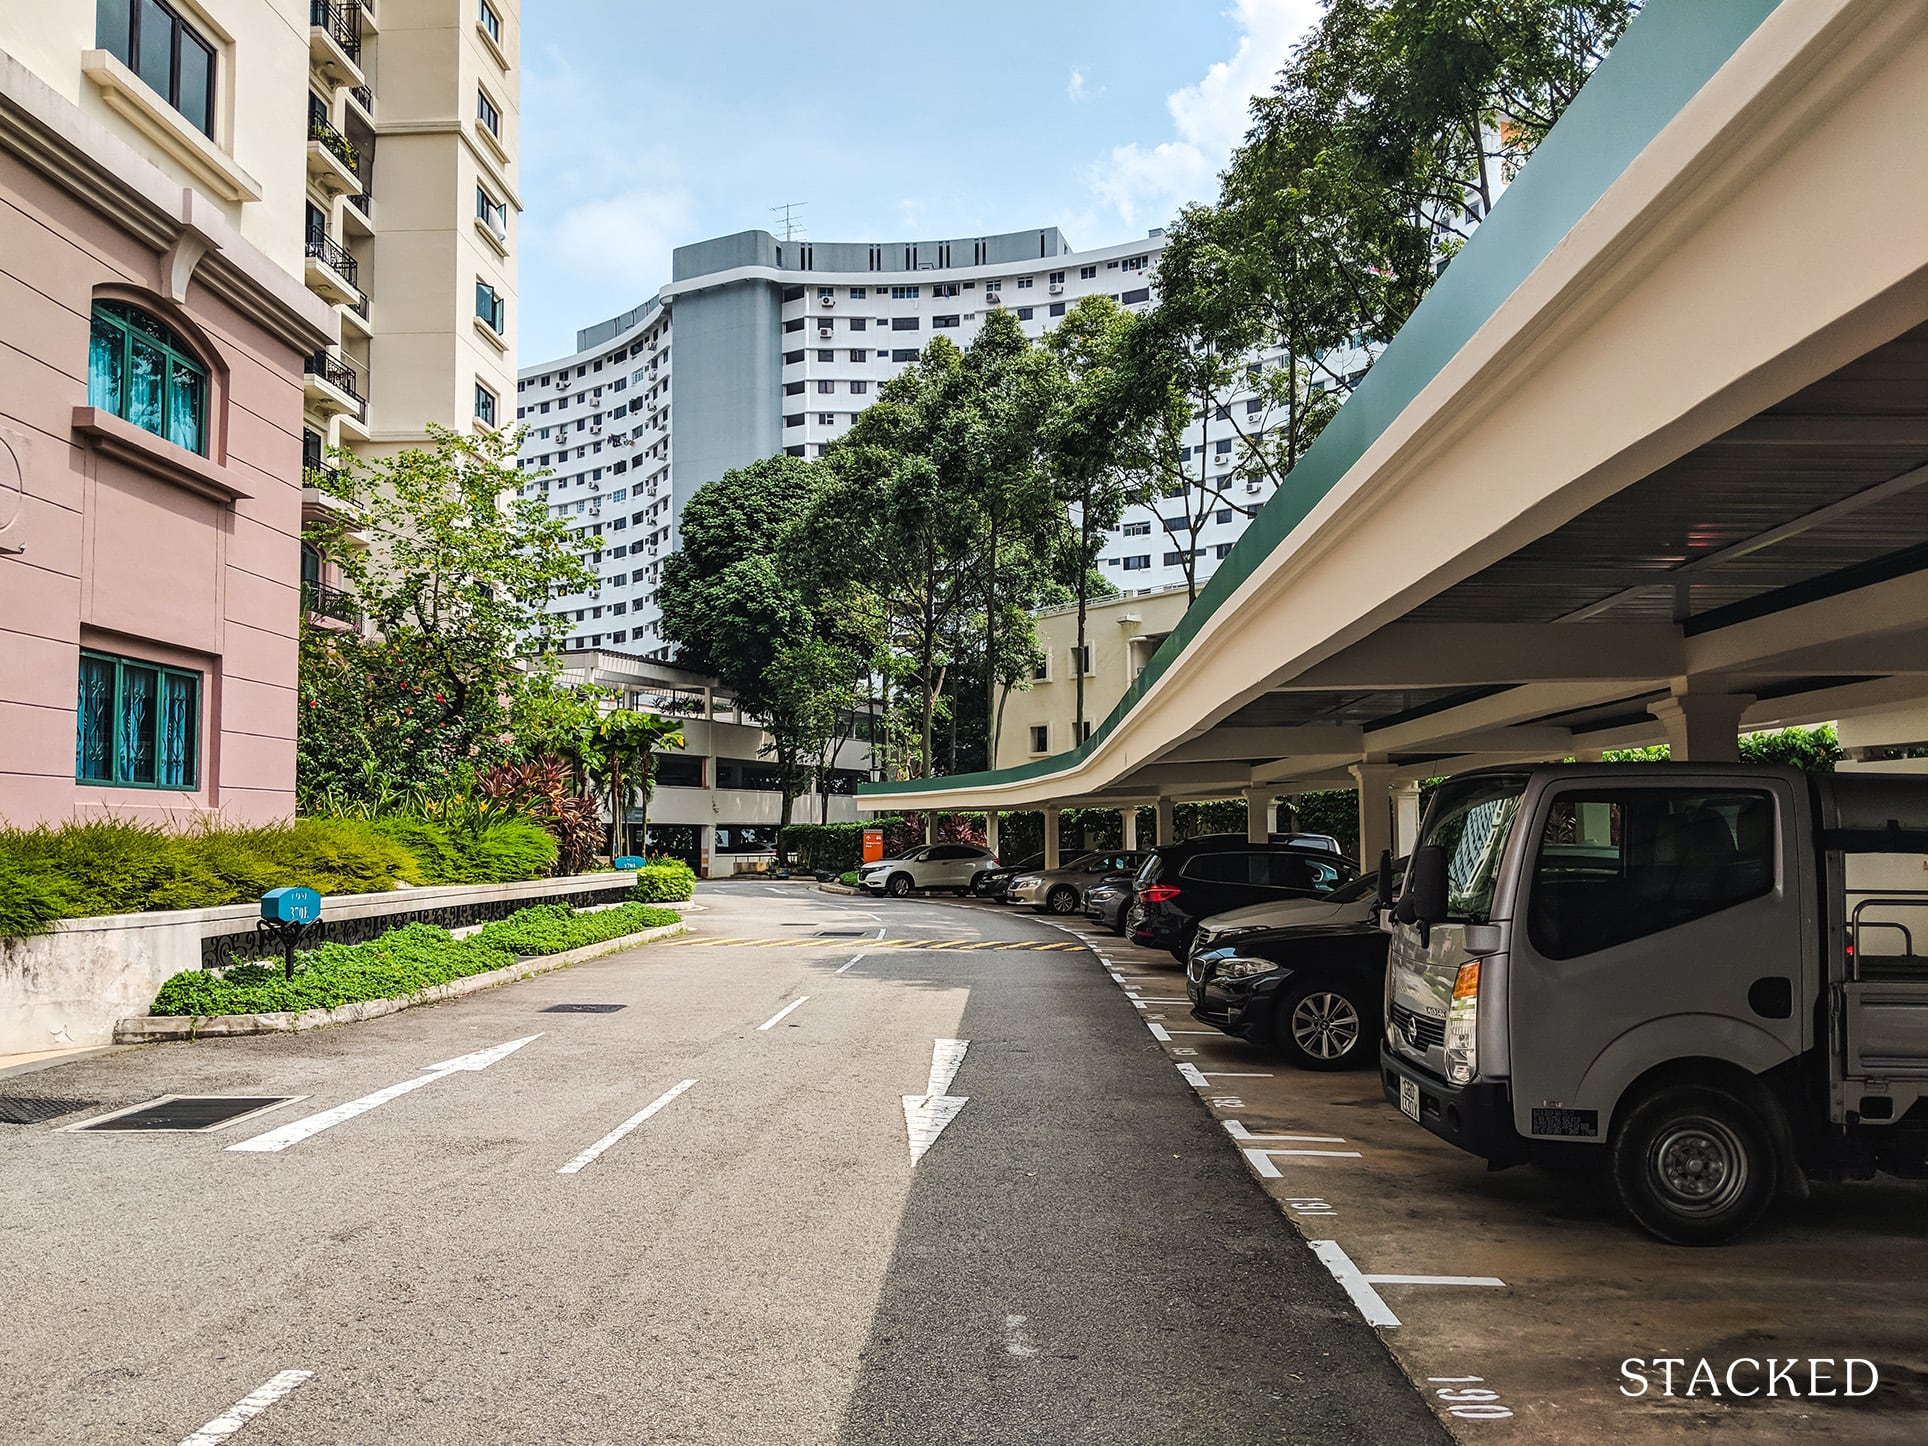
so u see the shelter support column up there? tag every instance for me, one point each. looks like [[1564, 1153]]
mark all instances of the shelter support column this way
[[1702, 726], [990, 829], [1258, 815], [1375, 811], [930, 827], [1405, 832], [1128, 819], [1167, 822], [1051, 838]]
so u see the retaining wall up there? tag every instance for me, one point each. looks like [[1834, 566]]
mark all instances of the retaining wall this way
[[70, 986]]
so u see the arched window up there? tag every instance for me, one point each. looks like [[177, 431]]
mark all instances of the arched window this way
[[141, 369]]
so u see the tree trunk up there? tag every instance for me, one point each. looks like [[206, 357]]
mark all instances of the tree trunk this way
[[617, 836], [648, 781], [990, 635], [1084, 589]]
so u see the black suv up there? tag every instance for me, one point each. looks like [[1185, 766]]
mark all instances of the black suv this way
[[1183, 883]]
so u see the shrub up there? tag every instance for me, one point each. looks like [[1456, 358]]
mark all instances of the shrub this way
[[503, 851], [832, 847], [400, 964], [664, 881], [849, 880]]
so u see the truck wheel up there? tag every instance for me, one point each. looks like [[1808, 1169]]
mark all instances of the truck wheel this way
[[899, 886], [1061, 900], [1694, 1165], [1320, 1026]]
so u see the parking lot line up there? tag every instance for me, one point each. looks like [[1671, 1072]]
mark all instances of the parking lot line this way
[[575, 1165], [1261, 1160], [1237, 1131], [852, 963], [778, 1016], [247, 1408], [1371, 1304]]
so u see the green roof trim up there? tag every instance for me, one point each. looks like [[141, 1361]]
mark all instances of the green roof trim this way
[[1667, 54]]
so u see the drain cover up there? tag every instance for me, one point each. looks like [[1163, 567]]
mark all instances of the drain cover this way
[[29, 1110], [584, 1008], [841, 933], [186, 1112]]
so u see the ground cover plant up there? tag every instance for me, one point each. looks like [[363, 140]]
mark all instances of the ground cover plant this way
[[400, 964]]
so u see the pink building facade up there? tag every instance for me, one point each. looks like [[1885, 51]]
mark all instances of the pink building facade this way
[[151, 397]]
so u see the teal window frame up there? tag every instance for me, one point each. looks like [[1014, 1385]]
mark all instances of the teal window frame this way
[[118, 331], [141, 726]]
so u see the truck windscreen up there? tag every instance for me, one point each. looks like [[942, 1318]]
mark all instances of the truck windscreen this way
[[1470, 819]]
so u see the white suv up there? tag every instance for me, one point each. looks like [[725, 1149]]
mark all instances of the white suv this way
[[928, 866]]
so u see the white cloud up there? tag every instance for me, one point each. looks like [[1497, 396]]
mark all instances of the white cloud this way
[[1080, 89], [1209, 118], [624, 241]]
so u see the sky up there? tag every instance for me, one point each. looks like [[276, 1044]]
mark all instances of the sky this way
[[648, 124]]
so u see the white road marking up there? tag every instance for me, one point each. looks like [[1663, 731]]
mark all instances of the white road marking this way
[[296, 1131], [1197, 1031], [852, 963], [1159, 1032], [247, 1408], [1360, 1286], [777, 1018], [1201, 1078], [1237, 1131], [1017, 1340], [575, 1165], [1261, 1160], [926, 1115], [1192, 1075]]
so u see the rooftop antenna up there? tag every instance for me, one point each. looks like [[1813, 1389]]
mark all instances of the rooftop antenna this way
[[791, 222]]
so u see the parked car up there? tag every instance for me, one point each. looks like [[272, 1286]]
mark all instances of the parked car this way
[[1107, 900], [1311, 991], [1324, 841], [992, 883], [1182, 884], [1061, 890], [1352, 903], [928, 866]]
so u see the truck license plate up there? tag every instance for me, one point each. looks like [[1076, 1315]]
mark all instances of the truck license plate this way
[[1409, 1099]]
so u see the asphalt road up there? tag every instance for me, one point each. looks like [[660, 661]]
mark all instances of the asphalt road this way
[[1077, 1258]]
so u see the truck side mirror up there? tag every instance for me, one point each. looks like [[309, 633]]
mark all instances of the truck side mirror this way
[[1384, 896], [1424, 902]]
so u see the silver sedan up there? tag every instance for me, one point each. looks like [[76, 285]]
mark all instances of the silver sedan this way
[[1061, 890]]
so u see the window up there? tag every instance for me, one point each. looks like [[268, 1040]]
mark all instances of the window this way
[[1138, 563], [903, 323], [1136, 529], [856, 293], [826, 388], [1081, 659], [860, 323], [826, 354], [1041, 669], [945, 321], [903, 354], [859, 354], [491, 308], [826, 293], [1041, 738], [1084, 730], [1057, 308], [1026, 312], [1617, 864], [1223, 549], [492, 213], [1024, 282], [903, 293], [858, 389], [165, 51], [1057, 278], [143, 371], [491, 22], [484, 405], [486, 112], [1087, 273], [826, 419], [1135, 296], [1224, 514], [138, 724], [1223, 448]]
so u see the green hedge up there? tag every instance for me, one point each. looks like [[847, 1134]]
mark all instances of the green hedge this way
[[400, 964], [666, 881], [830, 847], [849, 880], [503, 853]]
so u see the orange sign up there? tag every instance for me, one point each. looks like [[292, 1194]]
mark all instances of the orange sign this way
[[873, 845]]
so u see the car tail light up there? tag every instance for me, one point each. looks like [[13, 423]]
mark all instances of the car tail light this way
[[1157, 893]]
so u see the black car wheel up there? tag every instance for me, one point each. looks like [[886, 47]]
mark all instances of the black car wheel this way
[[1321, 1026], [899, 886], [1694, 1165], [1061, 900]]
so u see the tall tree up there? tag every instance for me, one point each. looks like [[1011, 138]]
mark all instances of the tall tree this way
[[620, 749]]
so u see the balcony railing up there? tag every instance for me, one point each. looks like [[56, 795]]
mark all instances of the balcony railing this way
[[327, 250], [339, 375], [336, 144], [365, 98], [360, 305], [363, 202], [342, 21], [318, 600]]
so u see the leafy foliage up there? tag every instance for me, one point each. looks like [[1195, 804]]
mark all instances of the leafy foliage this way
[[503, 852], [833, 847], [544, 790], [664, 881], [400, 964]]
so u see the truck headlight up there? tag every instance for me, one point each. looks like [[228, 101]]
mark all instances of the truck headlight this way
[[1462, 1026]]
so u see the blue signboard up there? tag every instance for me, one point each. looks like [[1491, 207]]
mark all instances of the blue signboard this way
[[631, 861], [297, 905]]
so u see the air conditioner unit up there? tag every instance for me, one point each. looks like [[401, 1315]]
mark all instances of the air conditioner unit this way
[[993, 298], [562, 384], [823, 333], [1223, 461], [826, 301], [1057, 288]]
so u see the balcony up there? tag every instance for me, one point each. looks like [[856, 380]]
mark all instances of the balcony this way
[[335, 40], [331, 387], [354, 316], [331, 273], [333, 162], [326, 604]]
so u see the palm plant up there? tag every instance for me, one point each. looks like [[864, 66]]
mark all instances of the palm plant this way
[[619, 754]]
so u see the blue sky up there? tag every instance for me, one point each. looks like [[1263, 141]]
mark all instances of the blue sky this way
[[650, 123]]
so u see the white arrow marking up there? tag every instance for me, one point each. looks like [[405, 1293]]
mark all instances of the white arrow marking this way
[[297, 1131], [1261, 1160], [1237, 1131], [247, 1408], [926, 1115], [575, 1165]]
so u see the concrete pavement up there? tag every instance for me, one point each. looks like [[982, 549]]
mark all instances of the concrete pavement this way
[[1076, 1258]]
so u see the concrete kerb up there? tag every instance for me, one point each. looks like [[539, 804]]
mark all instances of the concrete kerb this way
[[151, 1029]]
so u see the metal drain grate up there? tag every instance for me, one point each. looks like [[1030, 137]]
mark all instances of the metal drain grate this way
[[186, 1112], [30, 1110], [841, 933], [584, 1008]]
